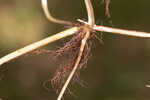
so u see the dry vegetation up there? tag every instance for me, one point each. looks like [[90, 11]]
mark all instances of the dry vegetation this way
[[78, 48]]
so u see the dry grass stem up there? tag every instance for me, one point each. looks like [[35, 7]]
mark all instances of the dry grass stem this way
[[66, 33], [90, 12], [122, 31], [37, 45], [81, 46], [91, 22], [50, 17], [75, 66]]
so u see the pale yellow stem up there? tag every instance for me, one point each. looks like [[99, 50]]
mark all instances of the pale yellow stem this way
[[50, 17], [90, 12], [83, 43], [122, 31], [91, 22], [37, 45]]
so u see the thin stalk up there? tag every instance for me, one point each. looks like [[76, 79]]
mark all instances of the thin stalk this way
[[83, 43], [66, 33], [50, 17], [37, 45], [122, 31], [91, 22], [90, 12]]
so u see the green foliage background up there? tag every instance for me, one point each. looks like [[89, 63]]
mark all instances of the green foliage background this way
[[117, 70]]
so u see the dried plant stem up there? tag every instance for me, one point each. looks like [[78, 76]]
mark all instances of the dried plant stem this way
[[37, 45], [90, 12], [83, 42], [91, 22], [122, 31], [50, 17], [66, 33]]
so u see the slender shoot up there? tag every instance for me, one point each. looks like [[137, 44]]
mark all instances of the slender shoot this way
[[91, 22], [50, 17], [37, 45]]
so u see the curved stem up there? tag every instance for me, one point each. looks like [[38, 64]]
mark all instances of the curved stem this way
[[90, 12], [50, 17]]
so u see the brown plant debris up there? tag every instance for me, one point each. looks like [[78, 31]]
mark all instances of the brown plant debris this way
[[71, 48]]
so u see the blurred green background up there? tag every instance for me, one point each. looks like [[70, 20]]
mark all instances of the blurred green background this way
[[117, 70]]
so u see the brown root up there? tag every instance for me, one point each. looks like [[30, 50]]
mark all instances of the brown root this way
[[71, 48]]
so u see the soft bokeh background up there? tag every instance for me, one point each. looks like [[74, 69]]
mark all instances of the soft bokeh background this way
[[117, 70]]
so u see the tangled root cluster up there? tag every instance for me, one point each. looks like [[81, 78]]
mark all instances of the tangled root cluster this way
[[71, 48]]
